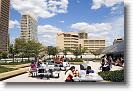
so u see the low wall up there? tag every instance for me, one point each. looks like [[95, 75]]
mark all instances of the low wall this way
[[77, 63], [12, 73]]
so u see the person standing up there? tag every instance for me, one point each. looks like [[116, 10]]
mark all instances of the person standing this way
[[110, 60]]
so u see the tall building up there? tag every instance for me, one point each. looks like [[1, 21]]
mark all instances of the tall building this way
[[28, 28], [67, 40], [4, 24], [94, 43], [73, 40]]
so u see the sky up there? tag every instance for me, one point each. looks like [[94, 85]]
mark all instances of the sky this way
[[99, 18]]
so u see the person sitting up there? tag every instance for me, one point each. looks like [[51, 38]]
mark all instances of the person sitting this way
[[69, 74], [119, 62], [33, 69], [89, 70]]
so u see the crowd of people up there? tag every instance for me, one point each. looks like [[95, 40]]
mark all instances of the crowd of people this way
[[107, 62], [106, 65], [36, 64], [72, 72]]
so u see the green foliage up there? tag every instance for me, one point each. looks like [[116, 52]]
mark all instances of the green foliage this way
[[15, 63], [65, 51], [52, 50], [76, 52], [28, 49], [76, 60], [96, 52], [4, 55], [4, 69], [79, 51], [0, 55], [114, 76]]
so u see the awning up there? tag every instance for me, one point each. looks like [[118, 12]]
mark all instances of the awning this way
[[116, 48]]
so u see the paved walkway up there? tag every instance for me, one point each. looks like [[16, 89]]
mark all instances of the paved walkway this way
[[24, 77]]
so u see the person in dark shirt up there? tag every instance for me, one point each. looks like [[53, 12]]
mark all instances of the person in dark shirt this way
[[89, 70]]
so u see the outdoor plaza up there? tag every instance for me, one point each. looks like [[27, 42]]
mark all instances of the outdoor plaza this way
[[25, 77]]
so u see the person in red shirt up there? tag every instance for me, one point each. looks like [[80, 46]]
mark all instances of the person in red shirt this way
[[69, 74]]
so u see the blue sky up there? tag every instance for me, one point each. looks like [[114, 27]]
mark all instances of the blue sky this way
[[99, 18]]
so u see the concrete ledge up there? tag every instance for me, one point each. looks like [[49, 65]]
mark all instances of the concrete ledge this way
[[105, 81], [12, 73], [77, 63]]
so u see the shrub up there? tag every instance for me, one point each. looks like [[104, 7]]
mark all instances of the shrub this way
[[15, 63], [76, 60], [4, 69], [114, 76]]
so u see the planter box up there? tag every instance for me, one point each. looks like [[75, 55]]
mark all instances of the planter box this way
[[9, 74]]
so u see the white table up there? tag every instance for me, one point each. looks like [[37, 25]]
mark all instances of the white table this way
[[88, 78]]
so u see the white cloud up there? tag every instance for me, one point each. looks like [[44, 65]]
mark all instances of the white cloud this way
[[62, 21], [108, 3], [86, 27], [110, 31], [47, 34], [105, 33], [14, 24], [40, 8], [117, 10]]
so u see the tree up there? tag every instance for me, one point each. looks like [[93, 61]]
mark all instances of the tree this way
[[82, 51], [76, 52], [52, 51], [4, 55], [12, 51], [19, 47], [96, 52], [35, 49], [79, 51], [0, 55], [65, 51], [55, 51]]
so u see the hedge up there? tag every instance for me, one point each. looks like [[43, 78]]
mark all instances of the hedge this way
[[4, 69], [76, 60], [113, 76], [15, 63]]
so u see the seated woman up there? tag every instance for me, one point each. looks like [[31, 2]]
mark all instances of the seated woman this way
[[119, 62], [69, 74], [89, 70], [33, 68]]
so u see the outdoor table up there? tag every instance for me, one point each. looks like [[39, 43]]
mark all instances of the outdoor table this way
[[88, 78]]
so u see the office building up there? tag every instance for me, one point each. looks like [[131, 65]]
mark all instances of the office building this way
[[67, 40], [28, 28], [73, 40], [94, 43], [4, 24]]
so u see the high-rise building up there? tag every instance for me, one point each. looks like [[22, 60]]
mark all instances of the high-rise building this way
[[73, 40], [94, 43], [28, 28], [4, 24], [67, 40]]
